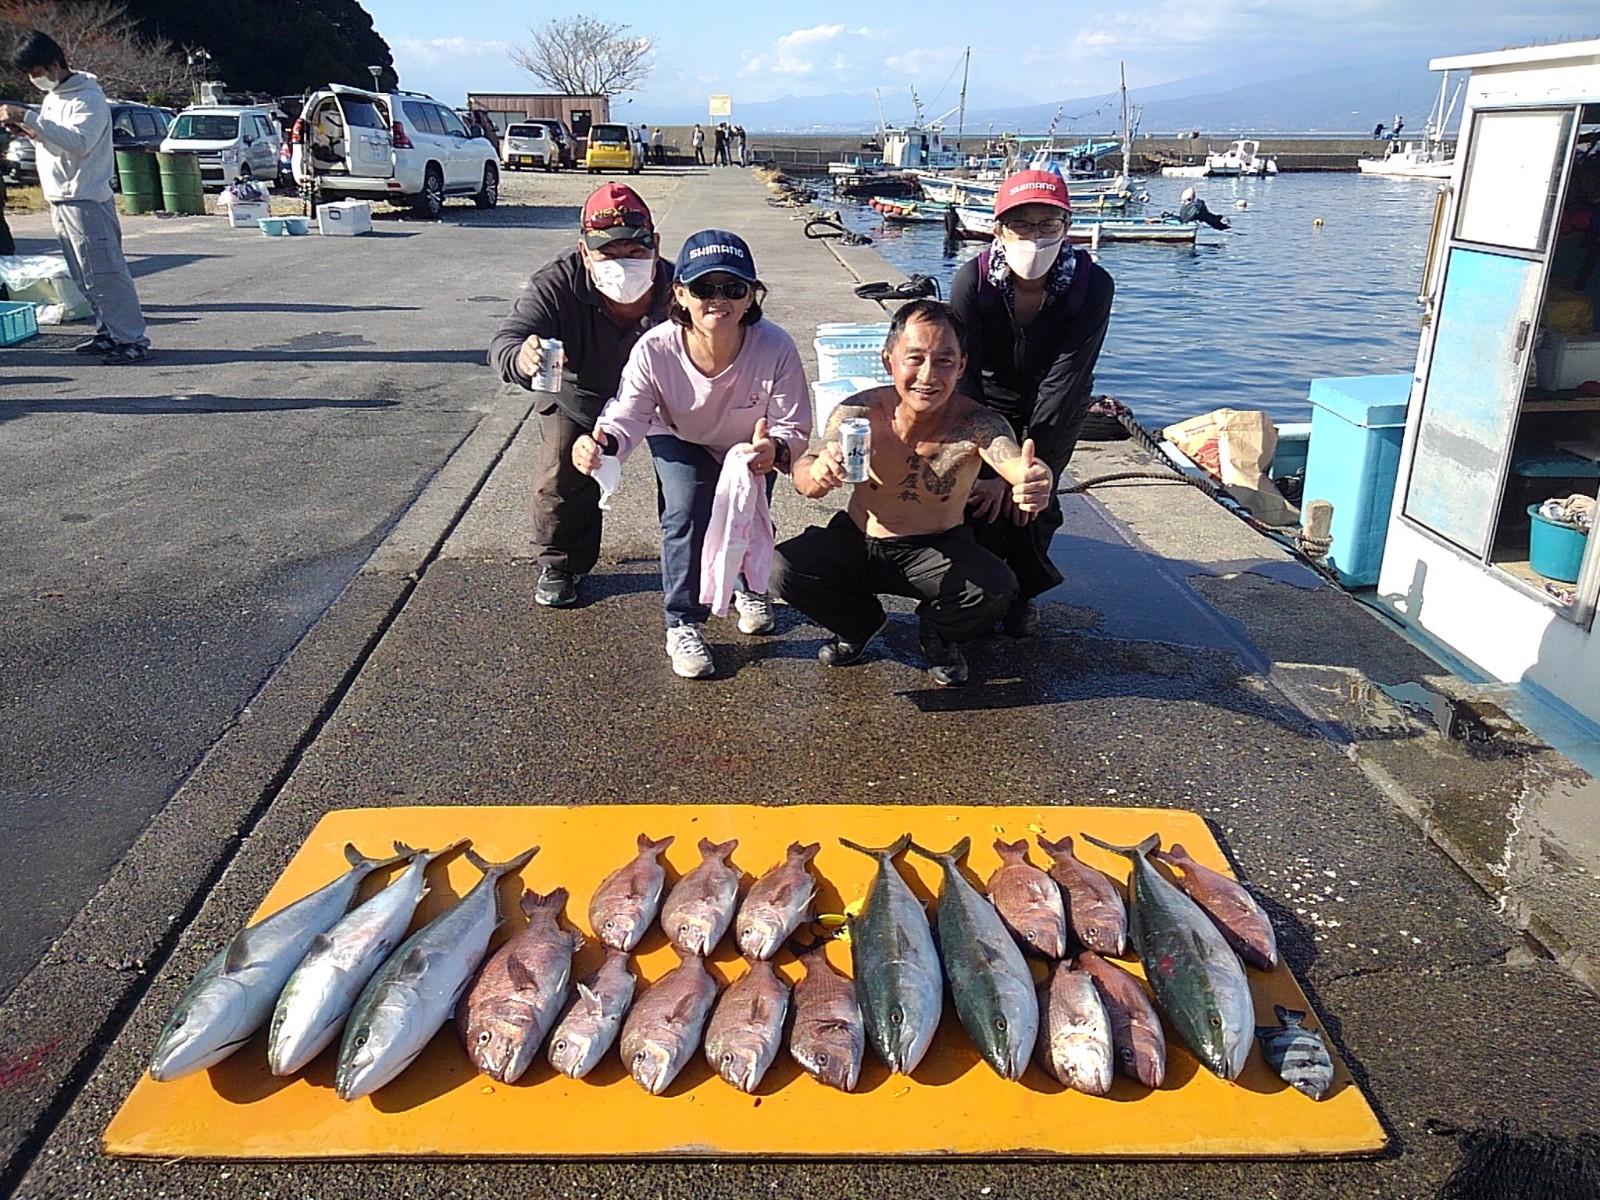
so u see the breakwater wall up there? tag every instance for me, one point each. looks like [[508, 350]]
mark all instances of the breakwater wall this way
[[802, 152]]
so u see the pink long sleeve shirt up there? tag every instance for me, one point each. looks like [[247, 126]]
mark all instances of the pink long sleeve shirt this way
[[662, 391]]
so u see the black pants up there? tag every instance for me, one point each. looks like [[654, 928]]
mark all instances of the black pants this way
[[566, 502], [834, 574]]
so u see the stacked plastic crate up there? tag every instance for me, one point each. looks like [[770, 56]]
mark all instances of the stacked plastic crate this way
[[849, 360]]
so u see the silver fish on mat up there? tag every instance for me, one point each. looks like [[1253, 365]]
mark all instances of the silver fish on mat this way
[[414, 993], [1075, 1043], [1297, 1053], [777, 903], [898, 982], [323, 989], [1028, 901], [1137, 1038], [519, 991], [699, 909], [233, 995], [1199, 982], [990, 982], [828, 1037], [625, 903], [663, 1030], [592, 1021], [1095, 911], [746, 1027], [1242, 921]]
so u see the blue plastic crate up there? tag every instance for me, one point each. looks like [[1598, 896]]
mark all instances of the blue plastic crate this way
[[18, 322]]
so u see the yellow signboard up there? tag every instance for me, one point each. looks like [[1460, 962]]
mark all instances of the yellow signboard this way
[[722, 106]]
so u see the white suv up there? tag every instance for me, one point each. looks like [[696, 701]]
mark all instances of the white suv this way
[[351, 144], [227, 138]]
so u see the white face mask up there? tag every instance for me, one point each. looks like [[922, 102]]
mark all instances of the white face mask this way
[[1032, 260], [43, 82], [624, 280]]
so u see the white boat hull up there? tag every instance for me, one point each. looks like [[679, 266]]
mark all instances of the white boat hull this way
[[1197, 172], [1395, 169]]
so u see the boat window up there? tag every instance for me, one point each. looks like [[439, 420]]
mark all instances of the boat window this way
[[1512, 203]]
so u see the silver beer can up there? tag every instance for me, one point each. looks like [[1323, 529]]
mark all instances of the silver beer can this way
[[855, 442], [553, 358]]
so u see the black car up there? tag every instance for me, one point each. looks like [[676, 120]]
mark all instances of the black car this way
[[137, 127]]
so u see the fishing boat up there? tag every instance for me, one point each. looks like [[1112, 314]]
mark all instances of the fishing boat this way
[[1241, 158], [968, 223], [1432, 157]]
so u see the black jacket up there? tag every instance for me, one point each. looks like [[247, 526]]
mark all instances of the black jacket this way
[[1041, 376], [560, 302]]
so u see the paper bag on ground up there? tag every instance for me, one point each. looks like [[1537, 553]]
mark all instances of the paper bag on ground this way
[[1236, 447]]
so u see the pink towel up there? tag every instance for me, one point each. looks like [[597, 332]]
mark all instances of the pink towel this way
[[740, 536]]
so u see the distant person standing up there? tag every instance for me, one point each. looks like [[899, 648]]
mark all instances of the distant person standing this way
[[1399, 124], [72, 134], [719, 154], [739, 142], [1377, 131], [699, 140], [658, 143]]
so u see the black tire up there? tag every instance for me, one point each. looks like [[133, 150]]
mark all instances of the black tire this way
[[489, 194], [430, 200]]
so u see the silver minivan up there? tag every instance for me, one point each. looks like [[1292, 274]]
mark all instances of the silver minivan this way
[[227, 138]]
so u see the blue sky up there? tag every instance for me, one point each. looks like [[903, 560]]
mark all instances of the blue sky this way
[[764, 51]]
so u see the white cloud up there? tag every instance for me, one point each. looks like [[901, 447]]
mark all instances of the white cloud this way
[[801, 53], [433, 52]]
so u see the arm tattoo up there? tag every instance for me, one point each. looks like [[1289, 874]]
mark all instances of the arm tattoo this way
[[989, 431]]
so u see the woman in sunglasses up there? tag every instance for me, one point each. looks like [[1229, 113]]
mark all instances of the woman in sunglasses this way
[[1036, 312], [715, 376]]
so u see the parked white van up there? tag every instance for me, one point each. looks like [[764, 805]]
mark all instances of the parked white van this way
[[227, 137]]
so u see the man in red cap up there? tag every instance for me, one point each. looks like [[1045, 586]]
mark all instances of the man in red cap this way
[[1035, 312], [596, 300]]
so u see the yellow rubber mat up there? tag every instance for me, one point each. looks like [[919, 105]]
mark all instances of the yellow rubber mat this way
[[953, 1105]]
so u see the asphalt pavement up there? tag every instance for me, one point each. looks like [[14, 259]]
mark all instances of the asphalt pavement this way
[[1186, 662]]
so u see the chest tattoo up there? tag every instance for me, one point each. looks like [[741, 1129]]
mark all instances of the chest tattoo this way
[[937, 475]]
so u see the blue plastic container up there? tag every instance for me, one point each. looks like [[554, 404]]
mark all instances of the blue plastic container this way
[[1555, 550], [1357, 425], [18, 322]]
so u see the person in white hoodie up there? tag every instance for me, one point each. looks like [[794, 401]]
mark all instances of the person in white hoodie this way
[[72, 135]]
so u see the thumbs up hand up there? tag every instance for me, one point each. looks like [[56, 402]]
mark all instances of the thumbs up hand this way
[[1031, 492], [765, 449]]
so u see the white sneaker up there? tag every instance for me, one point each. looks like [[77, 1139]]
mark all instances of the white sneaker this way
[[691, 657], [755, 612]]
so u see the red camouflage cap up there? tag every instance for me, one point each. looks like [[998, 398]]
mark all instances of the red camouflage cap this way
[[613, 213], [1032, 187]]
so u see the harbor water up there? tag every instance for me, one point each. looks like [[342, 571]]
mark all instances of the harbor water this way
[[1318, 277]]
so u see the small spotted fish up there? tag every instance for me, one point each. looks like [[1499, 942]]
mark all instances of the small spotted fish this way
[[1297, 1053]]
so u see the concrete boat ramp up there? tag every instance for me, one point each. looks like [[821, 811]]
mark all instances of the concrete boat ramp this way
[[1186, 663]]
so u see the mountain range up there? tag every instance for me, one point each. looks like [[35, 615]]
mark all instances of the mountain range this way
[[1346, 100]]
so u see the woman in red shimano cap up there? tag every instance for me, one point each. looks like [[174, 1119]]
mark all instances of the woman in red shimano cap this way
[[1036, 312]]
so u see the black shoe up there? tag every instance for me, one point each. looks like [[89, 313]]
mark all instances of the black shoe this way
[[557, 588], [98, 344], [946, 665], [125, 353], [840, 653], [1021, 619]]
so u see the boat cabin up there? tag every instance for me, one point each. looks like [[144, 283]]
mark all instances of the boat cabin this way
[[1504, 409], [919, 146]]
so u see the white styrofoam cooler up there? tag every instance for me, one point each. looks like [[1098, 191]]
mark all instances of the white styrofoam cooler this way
[[1565, 362], [344, 218], [846, 350], [245, 214], [828, 394]]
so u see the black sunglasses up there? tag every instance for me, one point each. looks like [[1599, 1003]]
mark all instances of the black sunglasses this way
[[704, 289]]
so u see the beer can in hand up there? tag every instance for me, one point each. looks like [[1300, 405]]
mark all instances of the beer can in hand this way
[[855, 442], [552, 359]]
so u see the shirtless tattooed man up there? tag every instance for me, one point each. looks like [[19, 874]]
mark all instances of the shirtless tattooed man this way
[[904, 532]]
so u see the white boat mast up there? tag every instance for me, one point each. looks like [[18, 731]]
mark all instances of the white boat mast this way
[[961, 112], [1127, 128]]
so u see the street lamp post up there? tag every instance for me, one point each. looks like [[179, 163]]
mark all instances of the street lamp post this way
[[376, 72]]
